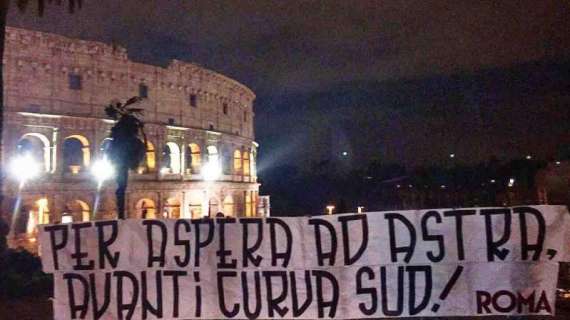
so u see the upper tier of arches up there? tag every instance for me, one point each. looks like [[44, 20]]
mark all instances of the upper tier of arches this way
[[51, 74]]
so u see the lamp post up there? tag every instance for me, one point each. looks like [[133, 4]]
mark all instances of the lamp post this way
[[22, 168], [330, 209], [211, 171], [101, 170]]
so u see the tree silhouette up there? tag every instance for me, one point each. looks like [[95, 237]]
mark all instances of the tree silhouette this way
[[126, 150], [22, 5]]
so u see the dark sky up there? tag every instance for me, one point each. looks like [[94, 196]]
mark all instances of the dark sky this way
[[400, 81]]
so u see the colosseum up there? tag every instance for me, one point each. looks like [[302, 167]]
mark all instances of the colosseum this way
[[56, 89]]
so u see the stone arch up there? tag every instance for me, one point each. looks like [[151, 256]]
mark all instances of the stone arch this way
[[171, 158], [172, 208], [238, 163], [145, 209], [31, 213], [246, 163], [213, 206], [195, 200], [229, 206], [76, 210], [193, 158], [149, 164], [76, 154], [213, 154], [227, 166], [38, 146]]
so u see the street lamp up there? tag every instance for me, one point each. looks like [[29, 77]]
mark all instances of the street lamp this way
[[211, 170], [102, 170], [360, 209], [330, 209], [24, 168]]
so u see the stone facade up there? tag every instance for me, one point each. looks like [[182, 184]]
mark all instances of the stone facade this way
[[55, 92]]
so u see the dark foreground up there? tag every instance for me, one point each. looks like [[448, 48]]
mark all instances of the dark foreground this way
[[40, 309]]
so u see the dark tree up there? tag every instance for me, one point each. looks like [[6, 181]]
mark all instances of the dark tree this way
[[126, 150]]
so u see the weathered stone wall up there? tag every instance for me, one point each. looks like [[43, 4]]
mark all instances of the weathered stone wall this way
[[186, 105]]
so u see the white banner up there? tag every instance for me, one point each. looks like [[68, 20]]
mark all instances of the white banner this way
[[443, 262]]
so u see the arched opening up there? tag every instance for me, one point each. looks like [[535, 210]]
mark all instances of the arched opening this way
[[30, 215], [237, 162], [248, 205], [213, 154], [145, 209], [193, 158], [76, 155], [75, 211], [195, 204], [213, 207], [246, 163], [171, 158], [229, 206], [149, 164], [226, 161], [37, 146], [172, 209]]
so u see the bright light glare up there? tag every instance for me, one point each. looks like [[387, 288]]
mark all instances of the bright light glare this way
[[102, 170], [66, 219], [511, 182], [24, 168], [330, 209], [211, 171]]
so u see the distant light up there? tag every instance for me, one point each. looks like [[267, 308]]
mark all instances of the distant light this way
[[330, 209], [492, 181], [557, 163], [410, 186], [43, 202], [24, 168], [102, 170], [442, 186], [344, 153], [211, 171], [452, 155], [360, 209], [398, 186], [368, 178], [528, 157], [511, 182], [67, 219]]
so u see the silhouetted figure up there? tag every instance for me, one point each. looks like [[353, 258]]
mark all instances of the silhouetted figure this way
[[126, 150]]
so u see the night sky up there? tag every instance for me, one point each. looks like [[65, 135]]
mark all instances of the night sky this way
[[395, 81]]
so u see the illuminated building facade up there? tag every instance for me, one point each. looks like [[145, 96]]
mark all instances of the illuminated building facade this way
[[197, 121]]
